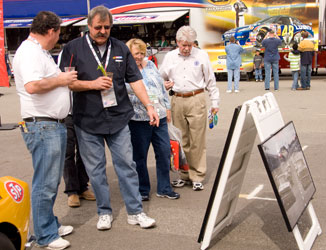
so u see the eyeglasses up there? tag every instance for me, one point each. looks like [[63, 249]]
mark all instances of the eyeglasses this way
[[106, 27]]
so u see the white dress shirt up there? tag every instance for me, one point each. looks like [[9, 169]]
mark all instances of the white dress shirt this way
[[190, 73]]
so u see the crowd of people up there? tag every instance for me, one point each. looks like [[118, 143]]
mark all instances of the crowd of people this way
[[104, 92], [300, 58]]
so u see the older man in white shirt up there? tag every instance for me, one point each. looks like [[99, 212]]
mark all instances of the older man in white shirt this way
[[189, 71]]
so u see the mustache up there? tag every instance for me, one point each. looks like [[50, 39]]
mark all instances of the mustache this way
[[101, 35]]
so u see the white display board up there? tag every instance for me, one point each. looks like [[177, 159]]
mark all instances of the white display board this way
[[261, 115], [229, 178]]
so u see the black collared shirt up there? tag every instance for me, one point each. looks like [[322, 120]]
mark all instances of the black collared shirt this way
[[88, 111]]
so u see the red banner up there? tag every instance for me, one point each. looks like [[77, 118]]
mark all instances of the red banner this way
[[4, 81]]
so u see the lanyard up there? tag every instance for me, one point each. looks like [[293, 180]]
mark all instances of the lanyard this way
[[95, 56], [32, 39]]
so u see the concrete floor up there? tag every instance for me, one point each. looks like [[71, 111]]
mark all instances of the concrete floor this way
[[257, 224]]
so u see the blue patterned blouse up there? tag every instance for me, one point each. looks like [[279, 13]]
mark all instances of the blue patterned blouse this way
[[154, 85]]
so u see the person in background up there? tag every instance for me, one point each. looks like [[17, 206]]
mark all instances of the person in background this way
[[74, 172], [258, 66], [191, 72], [306, 48], [8, 65], [142, 133], [99, 120], [271, 58], [233, 62], [163, 42], [240, 8], [44, 99], [294, 59], [196, 44]]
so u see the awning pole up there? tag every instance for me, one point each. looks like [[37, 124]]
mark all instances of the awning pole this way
[[88, 6]]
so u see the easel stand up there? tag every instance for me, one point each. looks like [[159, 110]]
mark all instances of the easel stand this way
[[260, 115], [268, 119]]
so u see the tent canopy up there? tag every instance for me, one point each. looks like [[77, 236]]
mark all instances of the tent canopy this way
[[139, 18], [26, 23], [19, 9]]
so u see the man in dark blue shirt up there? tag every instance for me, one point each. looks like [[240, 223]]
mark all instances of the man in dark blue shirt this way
[[271, 58], [102, 110]]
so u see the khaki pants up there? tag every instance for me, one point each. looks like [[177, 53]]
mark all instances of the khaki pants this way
[[189, 114]]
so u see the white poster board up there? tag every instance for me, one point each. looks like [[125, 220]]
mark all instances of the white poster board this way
[[261, 115]]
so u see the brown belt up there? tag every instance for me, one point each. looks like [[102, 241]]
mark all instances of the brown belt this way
[[188, 94], [43, 119]]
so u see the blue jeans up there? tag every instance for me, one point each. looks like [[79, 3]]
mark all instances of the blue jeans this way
[[305, 75], [46, 141], [236, 74], [274, 66], [295, 75], [92, 151], [142, 134], [258, 74]]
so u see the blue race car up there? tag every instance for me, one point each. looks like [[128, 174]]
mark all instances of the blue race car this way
[[287, 28]]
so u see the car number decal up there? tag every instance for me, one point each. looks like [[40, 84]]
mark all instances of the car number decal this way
[[288, 29]]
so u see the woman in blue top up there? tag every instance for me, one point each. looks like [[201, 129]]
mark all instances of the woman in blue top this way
[[142, 133], [233, 62]]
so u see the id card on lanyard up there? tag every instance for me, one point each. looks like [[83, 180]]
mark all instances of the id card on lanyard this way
[[108, 95]]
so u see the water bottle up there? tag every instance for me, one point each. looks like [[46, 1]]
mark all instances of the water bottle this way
[[212, 119]]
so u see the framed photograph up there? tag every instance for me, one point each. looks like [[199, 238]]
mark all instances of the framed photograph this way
[[288, 173]]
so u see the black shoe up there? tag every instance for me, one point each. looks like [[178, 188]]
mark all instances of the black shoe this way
[[266, 89], [172, 195], [145, 197]]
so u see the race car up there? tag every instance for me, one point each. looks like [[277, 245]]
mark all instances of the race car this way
[[14, 215], [288, 28]]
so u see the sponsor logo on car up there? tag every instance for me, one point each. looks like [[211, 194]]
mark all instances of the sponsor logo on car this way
[[15, 190]]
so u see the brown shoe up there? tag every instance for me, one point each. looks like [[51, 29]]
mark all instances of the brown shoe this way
[[88, 195], [300, 88], [73, 200]]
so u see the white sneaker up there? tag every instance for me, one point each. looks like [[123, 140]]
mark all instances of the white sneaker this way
[[142, 219], [236, 91], [229, 91], [65, 230], [197, 186], [58, 244], [104, 222]]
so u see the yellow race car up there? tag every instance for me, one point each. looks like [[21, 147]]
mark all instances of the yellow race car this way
[[14, 214]]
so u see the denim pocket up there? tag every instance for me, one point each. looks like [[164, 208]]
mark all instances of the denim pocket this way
[[29, 140], [49, 126]]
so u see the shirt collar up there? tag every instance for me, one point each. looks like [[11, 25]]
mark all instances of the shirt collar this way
[[94, 43], [191, 52]]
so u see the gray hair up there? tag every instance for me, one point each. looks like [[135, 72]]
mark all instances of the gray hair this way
[[187, 34], [102, 11]]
